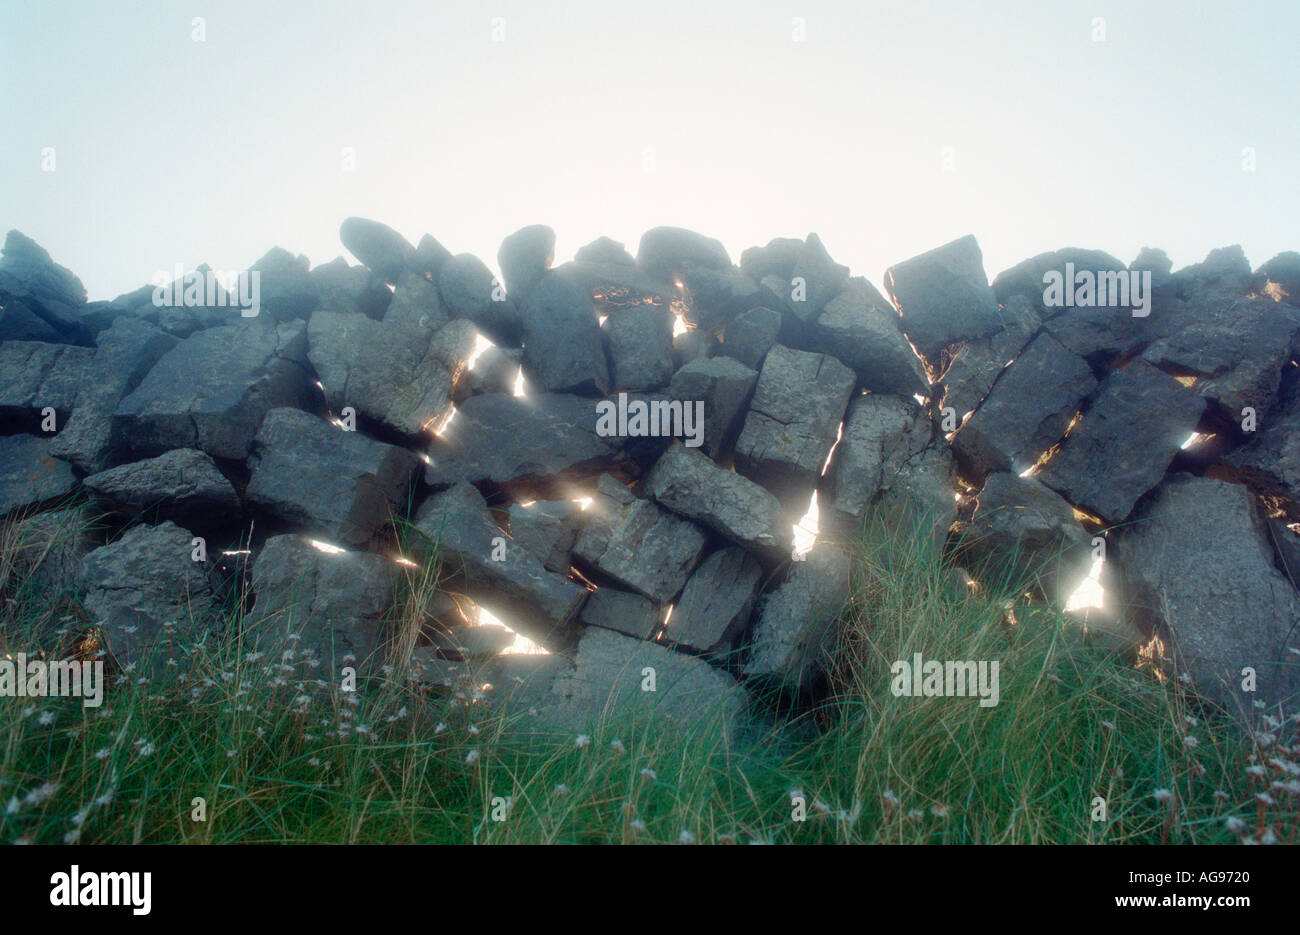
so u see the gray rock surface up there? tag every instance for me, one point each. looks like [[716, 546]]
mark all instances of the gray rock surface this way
[[524, 258], [858, 328], [976, 367], [943, 296], [716, 604], [212, 390], [665, 251], [750, 335], [338, 486], [183, 485], [881, 434], [1198, 562], [640, 341], [376, 245], [563, 346], [637, 543], [724, 386], [35, 376], [30, 475], [469, 290], [622, 611], [548, 529]]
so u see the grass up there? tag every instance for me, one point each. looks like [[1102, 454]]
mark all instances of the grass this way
[[282, 755]]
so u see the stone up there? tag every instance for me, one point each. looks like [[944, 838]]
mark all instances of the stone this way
[[182, 485], [212, 390], [1282, 277], [637, 544], [1026, 277], [398, 375], [715, 296], [976, 367], [693, 344], [286, 288], [563, 346], [29, 475], [430, 255], [943, 296], [622, 611], [792, 422], [334, 601], [35, 376], [548, 529], [469, 290], [606, 685], [334, 484], [1198, 563], [814, 280], [376, 245], [494, 370], [45, 549], [1236, 348], [715, 606], [352, 289], [49, 290], [194, 302], [881, 434], [1026, 533], [918, 500], [516, 588], [665, 251], [134, 587], [524, 258], [640, 341], [528, 444], [858, 328], [776, 259], [750, 335], [724, 386], [1027, 411], [19, 322], [126, 351], [794, 636], [1137, 422], [685, 481]]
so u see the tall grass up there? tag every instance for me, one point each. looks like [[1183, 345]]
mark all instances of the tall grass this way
[[277, 752]]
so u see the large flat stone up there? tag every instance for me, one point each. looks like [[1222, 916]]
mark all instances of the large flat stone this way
[[563, 346], [976, 367], [881, 434], [336, 485], [724, 386], [30, 475], [715, 606], [35, 376], [859, 329], [944, 296], [183, 485]]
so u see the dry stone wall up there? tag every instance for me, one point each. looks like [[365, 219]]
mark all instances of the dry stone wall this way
[[611, 455]]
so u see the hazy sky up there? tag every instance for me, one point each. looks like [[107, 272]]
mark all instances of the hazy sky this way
[[743, 120]]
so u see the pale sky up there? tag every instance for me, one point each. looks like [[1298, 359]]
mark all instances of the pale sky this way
[[742, 120]]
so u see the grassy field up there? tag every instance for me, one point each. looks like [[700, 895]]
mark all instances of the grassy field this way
[[279, 754]]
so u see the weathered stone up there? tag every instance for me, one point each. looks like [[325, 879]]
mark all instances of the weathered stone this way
[[693, 344], [636, 543], [334, 484], [687, 482], [1198, 563], [919, 497], [529, 443], [563, 348], [714, 297], [607, 683], [126, 352], [724, 386], [792, 422], [352, 289], [776, 259], [212, 390], [880, 435], [334, 601], [665, 251], [516, 587], [1028, 533], [750, 335], [623, 612], [548, 529], [640, 347], [19, 322], [1027, 411], [45, 549], [402, 377], [29, 475], [860, 330], [1236, 347], [377, 245], [1128, 437], [35, 376], [286, 289], [1026, 277], [135, 586], [48, 289], [494, 370], [794, 637], [430, 255], [716, 603], [1282, 277], [977, 366], [469, 290], [194, 302], [183, 485], [815, 280], [524, 258], [944, 296]]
